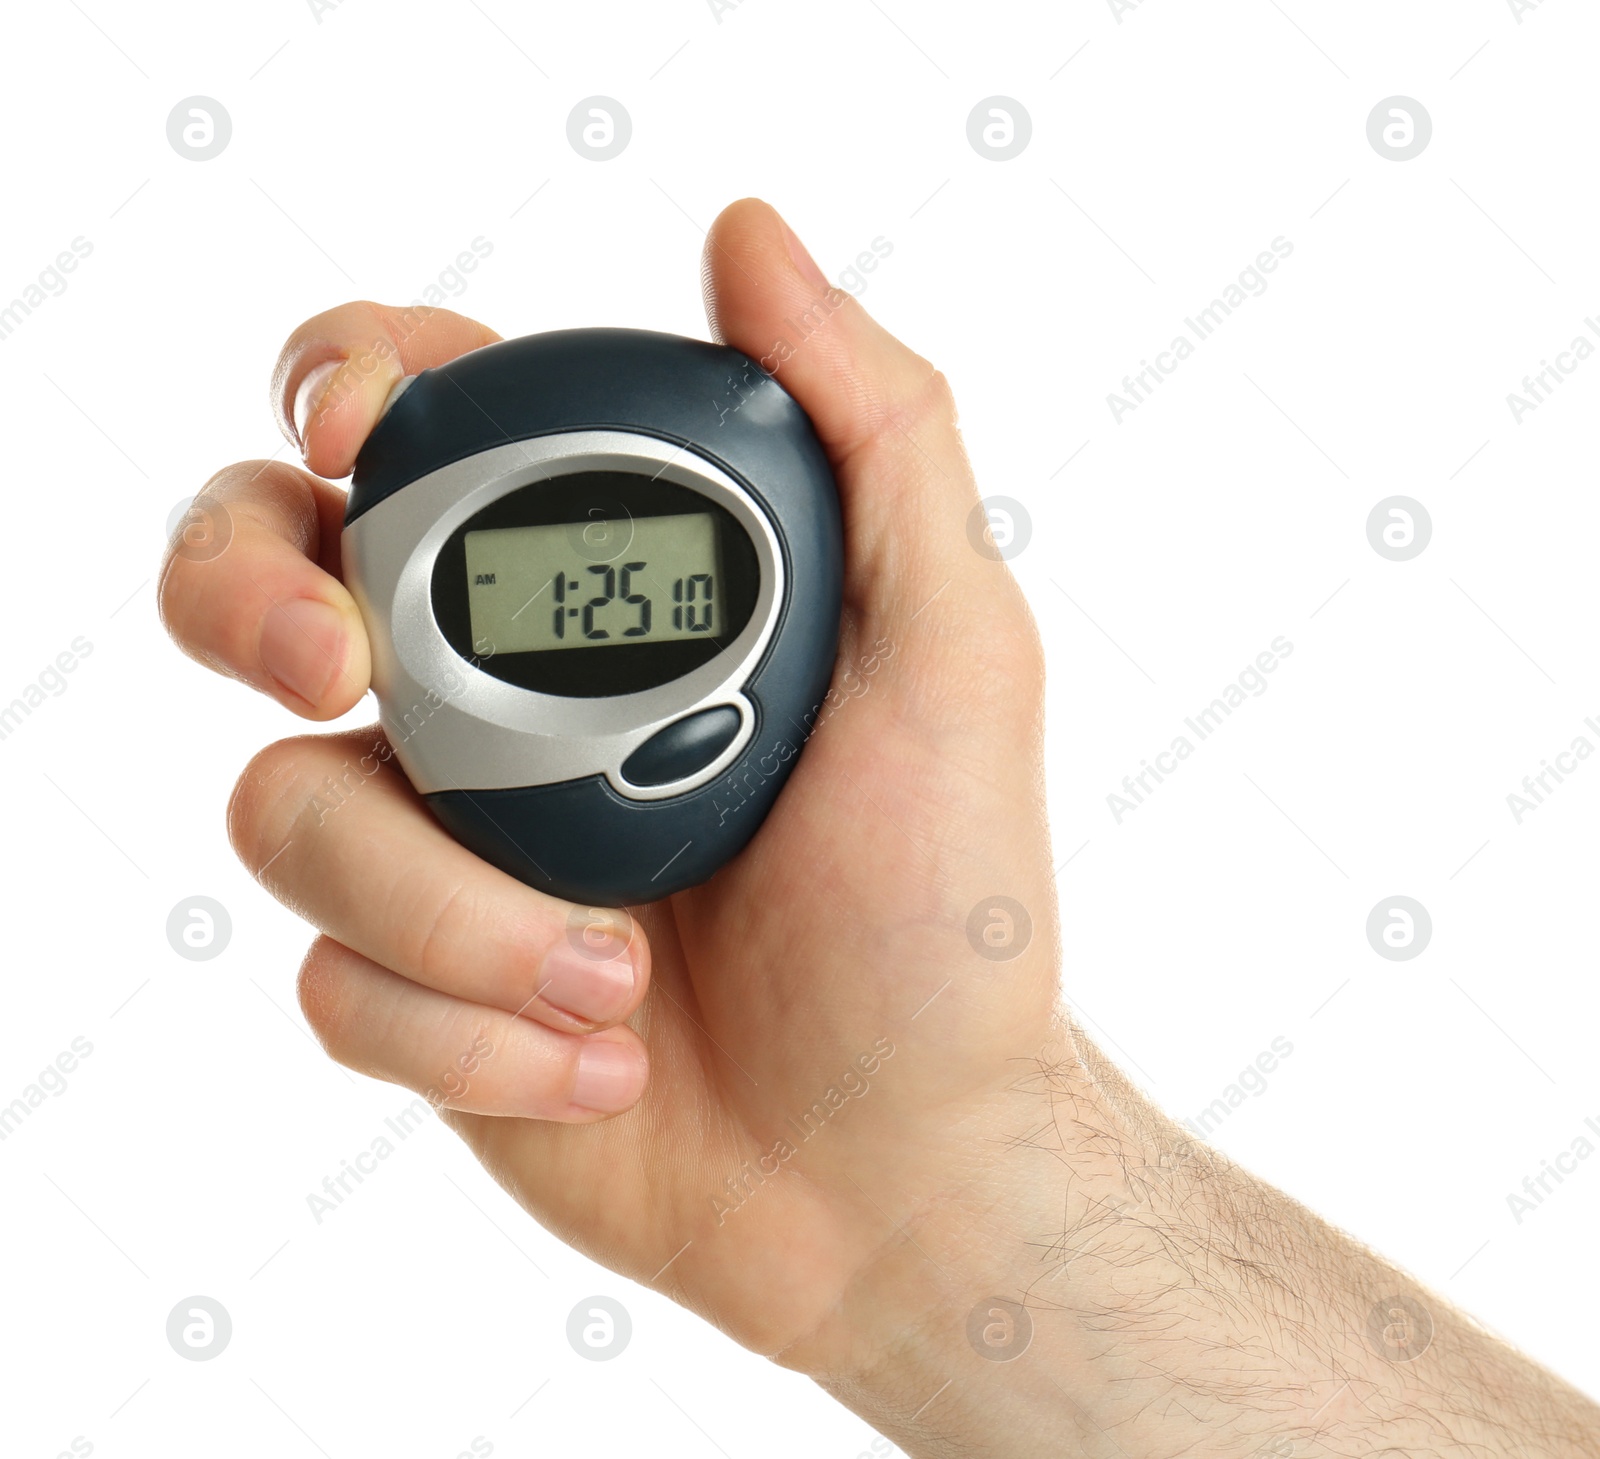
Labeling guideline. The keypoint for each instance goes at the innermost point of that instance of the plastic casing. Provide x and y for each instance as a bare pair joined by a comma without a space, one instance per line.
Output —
580,839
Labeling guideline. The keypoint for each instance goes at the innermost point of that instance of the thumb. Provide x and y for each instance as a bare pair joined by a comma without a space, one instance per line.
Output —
885,416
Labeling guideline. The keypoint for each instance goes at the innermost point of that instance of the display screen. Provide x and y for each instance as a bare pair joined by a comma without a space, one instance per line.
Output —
595,584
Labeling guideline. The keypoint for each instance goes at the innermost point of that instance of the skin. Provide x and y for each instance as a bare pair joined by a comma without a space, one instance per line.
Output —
975,1150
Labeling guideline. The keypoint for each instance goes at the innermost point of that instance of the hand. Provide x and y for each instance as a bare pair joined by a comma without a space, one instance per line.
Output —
819,1021
801,1099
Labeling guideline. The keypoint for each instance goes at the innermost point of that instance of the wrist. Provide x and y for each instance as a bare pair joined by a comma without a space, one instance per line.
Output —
1086,1269
1090,1279
981,1318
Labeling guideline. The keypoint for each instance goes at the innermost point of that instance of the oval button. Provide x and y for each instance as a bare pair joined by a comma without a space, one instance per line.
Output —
683,747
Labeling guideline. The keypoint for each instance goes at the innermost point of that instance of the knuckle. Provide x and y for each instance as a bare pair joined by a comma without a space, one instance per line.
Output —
470,1045
196,552
274,789
1014,647
321,989
936,400
1027,644
174,593
274,495
437,925
919,409
925,396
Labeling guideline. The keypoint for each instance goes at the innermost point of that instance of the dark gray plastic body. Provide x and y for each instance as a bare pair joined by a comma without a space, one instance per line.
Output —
580,839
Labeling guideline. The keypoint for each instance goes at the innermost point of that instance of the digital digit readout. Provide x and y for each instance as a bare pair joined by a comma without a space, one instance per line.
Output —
588,585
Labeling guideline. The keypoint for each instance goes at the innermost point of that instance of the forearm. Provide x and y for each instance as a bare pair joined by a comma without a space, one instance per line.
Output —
1177,1305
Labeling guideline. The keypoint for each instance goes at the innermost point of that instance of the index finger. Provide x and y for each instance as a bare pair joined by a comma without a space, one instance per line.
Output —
336,370
258,597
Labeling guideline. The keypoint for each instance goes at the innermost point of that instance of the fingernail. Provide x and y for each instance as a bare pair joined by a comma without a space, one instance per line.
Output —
591,987
610,1078
309,396
303,646
803,261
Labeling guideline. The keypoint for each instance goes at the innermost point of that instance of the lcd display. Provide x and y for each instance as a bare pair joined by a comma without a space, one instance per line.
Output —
587,585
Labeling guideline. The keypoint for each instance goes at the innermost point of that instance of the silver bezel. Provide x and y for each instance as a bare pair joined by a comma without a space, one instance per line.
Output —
454,727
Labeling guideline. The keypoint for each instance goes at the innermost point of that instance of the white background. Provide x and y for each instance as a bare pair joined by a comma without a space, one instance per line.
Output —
1169,147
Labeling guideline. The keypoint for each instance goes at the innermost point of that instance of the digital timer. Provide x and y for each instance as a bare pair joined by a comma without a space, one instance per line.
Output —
601,572
514,565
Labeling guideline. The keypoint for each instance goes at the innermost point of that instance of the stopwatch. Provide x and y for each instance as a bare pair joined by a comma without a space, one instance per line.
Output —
601,573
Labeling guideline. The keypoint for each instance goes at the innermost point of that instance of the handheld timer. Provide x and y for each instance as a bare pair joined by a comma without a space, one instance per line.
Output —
601,572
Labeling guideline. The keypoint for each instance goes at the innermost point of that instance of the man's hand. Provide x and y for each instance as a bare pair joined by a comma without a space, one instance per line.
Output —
809,1100
821,994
